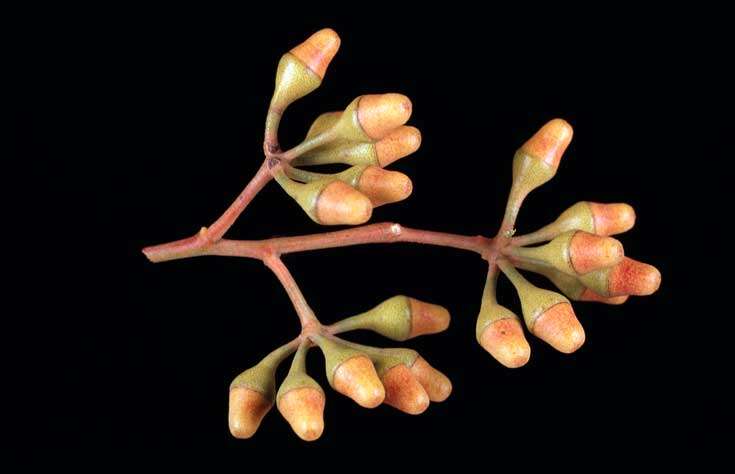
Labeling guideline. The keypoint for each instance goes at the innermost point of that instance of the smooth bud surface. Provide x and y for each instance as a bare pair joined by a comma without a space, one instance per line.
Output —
379,114
356,378
397,144
403,391
588,252
246,411
383,186
629,277
436,384
505,341
559,327
318,50
303,408
550,142
611,219
339,203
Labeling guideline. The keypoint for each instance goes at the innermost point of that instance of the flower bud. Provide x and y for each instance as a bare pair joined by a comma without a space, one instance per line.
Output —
400,142
399,318
352,373
595,218
571,286
372,117
384,187
574,252
498,329
301,70
436,384
328,201
537,160
251,395
548,315
318,51
403,391
499,332
301,400
629,277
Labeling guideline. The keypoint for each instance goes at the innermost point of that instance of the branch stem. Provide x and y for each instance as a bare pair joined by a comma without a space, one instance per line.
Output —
306,315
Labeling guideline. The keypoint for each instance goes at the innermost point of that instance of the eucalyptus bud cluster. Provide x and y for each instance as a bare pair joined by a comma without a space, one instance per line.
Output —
368,135
370,376
579,257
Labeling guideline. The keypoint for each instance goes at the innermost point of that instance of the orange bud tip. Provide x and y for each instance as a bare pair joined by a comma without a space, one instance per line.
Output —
318,50
427,318
590,252
339,203
399,143
631,277
247,409
611,219
303,408
379,114
357,379
403,391
549,143
559,327
383,186
589,295
505,341
436,384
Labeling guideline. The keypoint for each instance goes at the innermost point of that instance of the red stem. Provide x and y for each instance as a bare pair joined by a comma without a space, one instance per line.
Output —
306,315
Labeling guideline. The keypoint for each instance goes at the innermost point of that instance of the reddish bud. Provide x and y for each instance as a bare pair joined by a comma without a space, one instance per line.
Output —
338,203
399,143
427,318
318,50
631,277
504,340
379,114
303,408
247,409
589,252
559,327
357,379
436,384
383,186
611,219
549,143
403,391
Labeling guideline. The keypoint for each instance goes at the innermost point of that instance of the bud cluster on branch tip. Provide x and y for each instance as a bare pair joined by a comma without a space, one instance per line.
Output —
579,258
368,375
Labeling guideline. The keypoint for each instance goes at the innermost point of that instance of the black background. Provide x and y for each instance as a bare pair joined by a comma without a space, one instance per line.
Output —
140,127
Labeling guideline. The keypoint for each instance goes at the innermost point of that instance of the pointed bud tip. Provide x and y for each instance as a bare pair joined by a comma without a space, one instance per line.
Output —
589,295
397,144
427,318
338,203
247,409
357,379
631,277
590,252
379,114
504,340
303,408
403,391
436,384
611,219
559,327
550,142
383,186
318,51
